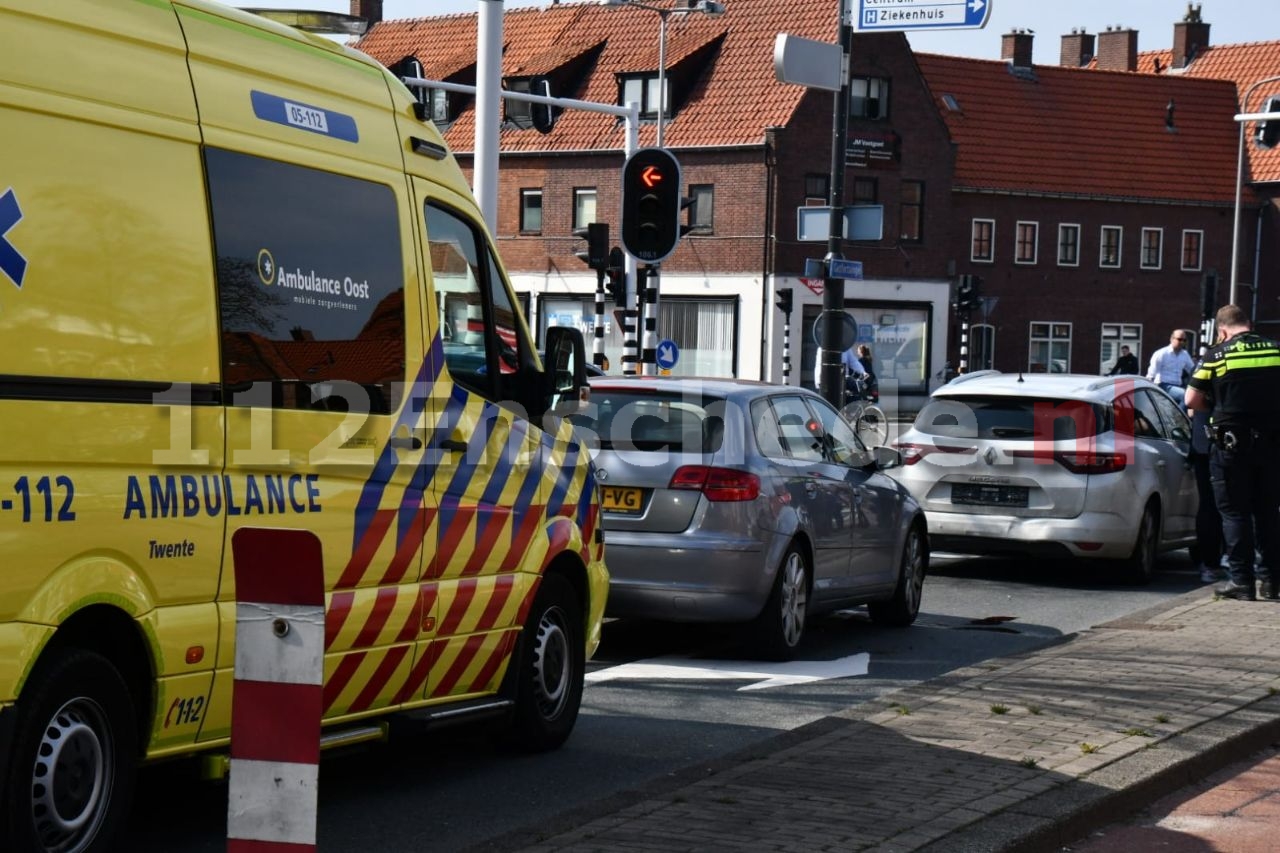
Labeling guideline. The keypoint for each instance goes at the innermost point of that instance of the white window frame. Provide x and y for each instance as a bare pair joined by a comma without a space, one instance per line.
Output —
1182,255
986,333
1142,249
582,217
1102,247
702,217
1120,334
1035,242
1051,339
991,259
1062,227
525,194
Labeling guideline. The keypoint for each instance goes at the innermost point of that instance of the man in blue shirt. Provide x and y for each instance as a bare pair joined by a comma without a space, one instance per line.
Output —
1169,365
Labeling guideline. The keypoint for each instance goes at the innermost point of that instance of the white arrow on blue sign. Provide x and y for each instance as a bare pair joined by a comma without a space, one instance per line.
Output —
883,15
668,354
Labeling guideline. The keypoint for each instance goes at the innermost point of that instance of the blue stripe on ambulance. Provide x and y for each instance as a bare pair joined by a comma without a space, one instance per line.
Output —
564,477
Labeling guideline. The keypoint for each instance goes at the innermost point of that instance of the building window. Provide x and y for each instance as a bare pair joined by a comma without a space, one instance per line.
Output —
1026,242
1068,245
1109,253
1050,350
584,206
982,248
911,213
531,211
643,90
1152,248
518,112
1192,250
816,192
702,213
868,97
1114,336
982,343
865,190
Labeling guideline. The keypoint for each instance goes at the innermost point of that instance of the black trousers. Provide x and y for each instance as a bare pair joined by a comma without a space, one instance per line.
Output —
1246,489
1208,548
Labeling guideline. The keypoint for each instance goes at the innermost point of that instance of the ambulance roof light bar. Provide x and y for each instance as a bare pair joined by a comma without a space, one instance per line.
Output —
322,23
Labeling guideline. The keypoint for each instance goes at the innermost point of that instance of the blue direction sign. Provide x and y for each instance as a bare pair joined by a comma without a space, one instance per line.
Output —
841,268
882,15
668,354
12,264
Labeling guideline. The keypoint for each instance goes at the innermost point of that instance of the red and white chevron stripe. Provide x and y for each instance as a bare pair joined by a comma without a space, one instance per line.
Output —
277,700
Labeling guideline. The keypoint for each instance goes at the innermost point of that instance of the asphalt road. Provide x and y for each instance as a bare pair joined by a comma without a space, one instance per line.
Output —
450,790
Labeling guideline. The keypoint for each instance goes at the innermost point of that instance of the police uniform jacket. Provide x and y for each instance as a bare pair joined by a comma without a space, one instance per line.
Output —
1241,376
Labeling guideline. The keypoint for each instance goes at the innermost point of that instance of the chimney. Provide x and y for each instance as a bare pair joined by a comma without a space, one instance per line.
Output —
370,10
1190,36
1015,47
1118,49
1077,49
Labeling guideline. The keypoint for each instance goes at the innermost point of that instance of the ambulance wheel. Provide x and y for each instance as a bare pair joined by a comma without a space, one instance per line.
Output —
553,663
75,742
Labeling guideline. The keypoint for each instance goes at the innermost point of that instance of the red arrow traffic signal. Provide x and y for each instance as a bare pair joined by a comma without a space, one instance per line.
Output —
651,176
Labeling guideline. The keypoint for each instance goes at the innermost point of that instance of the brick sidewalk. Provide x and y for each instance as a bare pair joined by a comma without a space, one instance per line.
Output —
1015,753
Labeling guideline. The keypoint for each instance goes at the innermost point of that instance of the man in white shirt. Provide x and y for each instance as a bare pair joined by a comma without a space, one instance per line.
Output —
1169,365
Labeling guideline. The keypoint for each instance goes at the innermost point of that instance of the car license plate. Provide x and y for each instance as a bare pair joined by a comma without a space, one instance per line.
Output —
984,495
622,499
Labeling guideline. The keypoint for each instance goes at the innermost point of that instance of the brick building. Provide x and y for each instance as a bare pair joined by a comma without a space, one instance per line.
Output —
1090,201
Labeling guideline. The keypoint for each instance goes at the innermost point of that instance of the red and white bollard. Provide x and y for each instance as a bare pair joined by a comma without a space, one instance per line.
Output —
277,700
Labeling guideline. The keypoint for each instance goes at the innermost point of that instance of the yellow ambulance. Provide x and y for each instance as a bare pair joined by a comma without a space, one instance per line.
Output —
243,284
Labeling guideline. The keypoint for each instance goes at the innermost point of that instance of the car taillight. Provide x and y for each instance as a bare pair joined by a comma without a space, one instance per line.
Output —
718,484
913,453
1091,463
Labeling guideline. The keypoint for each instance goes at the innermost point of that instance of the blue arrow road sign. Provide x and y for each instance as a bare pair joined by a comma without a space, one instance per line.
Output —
12,263
668,354
881,15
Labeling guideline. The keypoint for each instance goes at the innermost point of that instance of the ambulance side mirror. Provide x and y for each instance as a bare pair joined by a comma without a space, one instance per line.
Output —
565,368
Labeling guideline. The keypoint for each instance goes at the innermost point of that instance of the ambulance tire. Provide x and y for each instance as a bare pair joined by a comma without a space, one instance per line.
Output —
552,666
70,783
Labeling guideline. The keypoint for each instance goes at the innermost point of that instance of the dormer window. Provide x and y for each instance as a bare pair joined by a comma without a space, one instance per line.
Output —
517,112
868,97
643,90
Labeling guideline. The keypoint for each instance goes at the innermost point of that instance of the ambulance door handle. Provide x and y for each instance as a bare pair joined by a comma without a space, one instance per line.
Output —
456,445
405,442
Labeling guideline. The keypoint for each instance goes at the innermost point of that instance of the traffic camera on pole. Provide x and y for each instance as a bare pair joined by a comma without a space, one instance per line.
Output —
651,204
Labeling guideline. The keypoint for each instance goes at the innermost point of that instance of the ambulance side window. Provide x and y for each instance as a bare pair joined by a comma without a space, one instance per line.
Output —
483,346
310,286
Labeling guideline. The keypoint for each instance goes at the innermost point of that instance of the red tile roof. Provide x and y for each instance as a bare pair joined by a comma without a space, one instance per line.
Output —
1093,133
1244,65
732,103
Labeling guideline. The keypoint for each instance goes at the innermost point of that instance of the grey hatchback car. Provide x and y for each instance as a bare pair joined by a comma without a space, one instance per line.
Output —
739,501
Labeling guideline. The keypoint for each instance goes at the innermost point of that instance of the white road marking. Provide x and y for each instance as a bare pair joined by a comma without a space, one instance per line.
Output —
764,675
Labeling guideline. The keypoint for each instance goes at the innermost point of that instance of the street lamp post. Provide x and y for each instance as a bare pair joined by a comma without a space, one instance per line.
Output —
711,8
1235,231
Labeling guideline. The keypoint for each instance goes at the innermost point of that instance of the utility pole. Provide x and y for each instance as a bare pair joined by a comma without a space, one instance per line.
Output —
832,386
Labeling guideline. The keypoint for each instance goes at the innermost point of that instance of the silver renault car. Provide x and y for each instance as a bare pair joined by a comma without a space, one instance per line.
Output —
1054,465
738,501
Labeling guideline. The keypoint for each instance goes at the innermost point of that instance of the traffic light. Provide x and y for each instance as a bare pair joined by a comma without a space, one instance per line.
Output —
964,293
596,255
543,116
784,303
651,204
616,283
1208,294
1269,131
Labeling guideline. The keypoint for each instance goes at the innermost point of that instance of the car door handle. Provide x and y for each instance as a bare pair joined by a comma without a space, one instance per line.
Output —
454,444
811,489
403,442
1159,463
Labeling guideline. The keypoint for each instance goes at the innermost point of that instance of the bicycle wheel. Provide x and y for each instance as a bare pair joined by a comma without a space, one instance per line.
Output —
872,426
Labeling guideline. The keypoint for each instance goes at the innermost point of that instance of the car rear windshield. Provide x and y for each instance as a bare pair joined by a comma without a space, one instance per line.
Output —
1013,418
652,420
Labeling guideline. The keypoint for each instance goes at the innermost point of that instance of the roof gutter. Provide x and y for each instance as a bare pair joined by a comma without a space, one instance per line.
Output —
1163,202
579,152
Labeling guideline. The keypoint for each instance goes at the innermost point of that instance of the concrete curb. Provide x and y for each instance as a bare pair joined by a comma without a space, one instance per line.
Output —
1114,792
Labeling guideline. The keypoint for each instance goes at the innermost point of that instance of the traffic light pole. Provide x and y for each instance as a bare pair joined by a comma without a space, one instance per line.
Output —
832,386
964,340
649,356
597,353
786,349
630,346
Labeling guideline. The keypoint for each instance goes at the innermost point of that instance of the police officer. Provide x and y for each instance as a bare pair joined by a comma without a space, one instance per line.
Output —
1239,380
